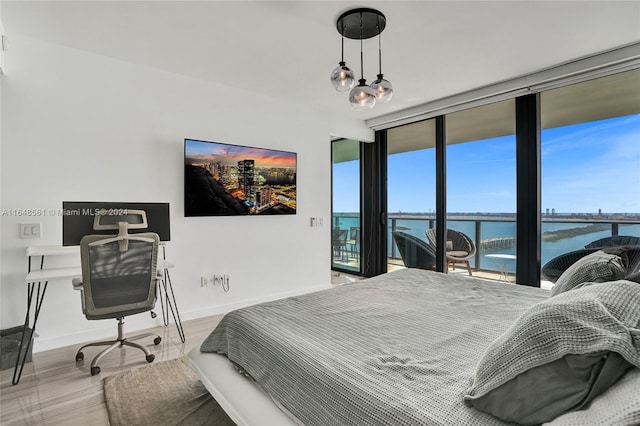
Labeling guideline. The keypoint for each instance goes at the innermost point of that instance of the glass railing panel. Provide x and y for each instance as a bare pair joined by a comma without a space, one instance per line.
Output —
412,226
562,237
632,230
497,238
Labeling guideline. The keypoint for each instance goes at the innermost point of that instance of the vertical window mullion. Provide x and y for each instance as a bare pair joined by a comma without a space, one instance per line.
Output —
528,213
441,194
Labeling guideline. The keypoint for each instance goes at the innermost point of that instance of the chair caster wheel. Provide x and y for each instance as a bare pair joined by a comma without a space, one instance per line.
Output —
79,356
157,340
95,370
150,358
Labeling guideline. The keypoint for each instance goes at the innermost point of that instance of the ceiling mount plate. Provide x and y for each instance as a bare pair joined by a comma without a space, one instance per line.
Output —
361,23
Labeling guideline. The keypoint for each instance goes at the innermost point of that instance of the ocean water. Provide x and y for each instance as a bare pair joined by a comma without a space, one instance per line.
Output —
488,230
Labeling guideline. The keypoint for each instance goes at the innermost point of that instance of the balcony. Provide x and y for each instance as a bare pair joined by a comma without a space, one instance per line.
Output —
496,234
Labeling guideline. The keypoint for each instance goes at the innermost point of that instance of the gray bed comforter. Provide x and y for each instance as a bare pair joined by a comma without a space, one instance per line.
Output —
401,348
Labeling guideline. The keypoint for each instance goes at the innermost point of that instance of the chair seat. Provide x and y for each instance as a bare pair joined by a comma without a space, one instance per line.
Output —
457,253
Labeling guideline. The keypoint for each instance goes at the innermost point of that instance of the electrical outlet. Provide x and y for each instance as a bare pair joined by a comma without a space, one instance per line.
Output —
203,282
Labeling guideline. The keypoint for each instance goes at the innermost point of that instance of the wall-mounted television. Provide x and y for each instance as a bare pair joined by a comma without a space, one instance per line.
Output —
233,180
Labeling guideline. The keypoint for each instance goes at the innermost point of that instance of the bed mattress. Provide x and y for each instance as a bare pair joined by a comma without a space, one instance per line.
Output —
401,348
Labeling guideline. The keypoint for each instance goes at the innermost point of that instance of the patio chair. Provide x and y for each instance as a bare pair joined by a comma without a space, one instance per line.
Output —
339,243
354,241
415,253
613,241
556,266
460,248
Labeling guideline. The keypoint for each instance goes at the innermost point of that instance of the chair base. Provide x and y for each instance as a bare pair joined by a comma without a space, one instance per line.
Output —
119,342
452,263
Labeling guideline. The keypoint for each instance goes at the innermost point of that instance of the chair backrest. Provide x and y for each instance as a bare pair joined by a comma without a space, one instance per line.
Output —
556,266
339,237
415,252
456,240
354,233
117,283
615,240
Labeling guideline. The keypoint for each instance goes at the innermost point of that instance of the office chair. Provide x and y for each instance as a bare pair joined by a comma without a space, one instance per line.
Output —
119,274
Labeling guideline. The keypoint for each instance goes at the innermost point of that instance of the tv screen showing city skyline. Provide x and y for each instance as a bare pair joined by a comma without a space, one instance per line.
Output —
232,180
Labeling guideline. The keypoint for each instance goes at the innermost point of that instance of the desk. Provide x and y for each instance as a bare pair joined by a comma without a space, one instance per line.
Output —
37,281
502,263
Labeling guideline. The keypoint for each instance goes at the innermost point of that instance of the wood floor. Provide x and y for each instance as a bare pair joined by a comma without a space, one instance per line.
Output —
54,390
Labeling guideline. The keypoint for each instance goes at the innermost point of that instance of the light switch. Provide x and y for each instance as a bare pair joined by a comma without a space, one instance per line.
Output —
29,230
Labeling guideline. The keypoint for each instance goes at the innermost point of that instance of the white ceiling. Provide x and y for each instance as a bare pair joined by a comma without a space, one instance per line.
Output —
287,49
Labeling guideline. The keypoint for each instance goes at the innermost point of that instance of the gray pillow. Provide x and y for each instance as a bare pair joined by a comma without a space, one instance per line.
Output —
560,354
595,267
619,405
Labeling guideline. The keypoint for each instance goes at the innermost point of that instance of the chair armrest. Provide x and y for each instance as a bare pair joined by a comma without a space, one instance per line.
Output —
77,283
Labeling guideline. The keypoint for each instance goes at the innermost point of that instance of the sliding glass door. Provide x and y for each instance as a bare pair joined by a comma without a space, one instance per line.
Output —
411,200
346,221
481,189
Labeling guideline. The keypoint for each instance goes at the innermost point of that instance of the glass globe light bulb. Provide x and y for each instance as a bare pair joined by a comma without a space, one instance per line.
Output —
383,89
342,78
362,97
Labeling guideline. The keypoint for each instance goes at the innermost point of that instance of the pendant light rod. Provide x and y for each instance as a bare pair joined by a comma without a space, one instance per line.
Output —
361,54
379,55
379,48
342,38
361,61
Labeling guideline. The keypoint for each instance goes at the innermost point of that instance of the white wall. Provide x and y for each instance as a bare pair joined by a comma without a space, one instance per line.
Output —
82,127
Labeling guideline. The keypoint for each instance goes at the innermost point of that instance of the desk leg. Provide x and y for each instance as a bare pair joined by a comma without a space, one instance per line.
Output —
22,356
168,303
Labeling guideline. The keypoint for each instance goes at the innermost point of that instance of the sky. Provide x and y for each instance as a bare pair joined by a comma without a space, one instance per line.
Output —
585,167
198,152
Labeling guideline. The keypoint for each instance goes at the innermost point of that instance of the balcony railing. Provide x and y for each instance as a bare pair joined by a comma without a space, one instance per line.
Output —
495,234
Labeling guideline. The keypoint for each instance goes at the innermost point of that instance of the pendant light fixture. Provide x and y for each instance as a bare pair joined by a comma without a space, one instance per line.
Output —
362,97
342,77
361,24
382,88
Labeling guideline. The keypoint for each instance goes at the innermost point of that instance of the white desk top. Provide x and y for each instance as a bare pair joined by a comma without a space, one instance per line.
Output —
52,250
53,274
56,250
66,273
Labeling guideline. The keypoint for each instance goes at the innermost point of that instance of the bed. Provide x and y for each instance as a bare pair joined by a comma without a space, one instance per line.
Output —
405,347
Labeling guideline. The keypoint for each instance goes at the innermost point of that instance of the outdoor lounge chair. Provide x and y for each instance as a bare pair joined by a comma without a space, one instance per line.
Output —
556,266
460,248
614,241
415,252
